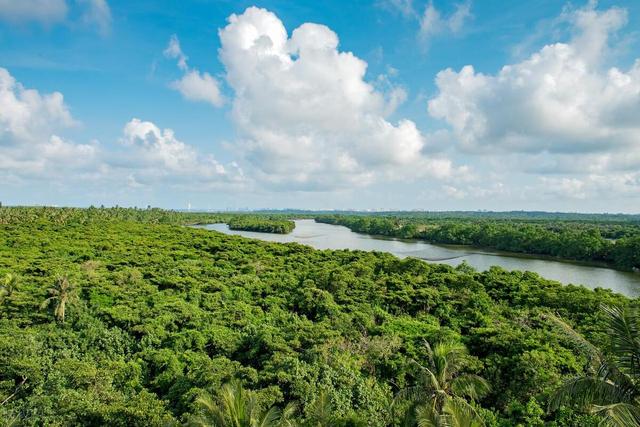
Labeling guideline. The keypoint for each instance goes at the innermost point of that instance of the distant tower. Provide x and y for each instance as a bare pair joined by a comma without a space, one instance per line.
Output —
189,206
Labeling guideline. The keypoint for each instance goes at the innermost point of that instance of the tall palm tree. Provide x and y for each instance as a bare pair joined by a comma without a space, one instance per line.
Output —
9,284
320,411
611,387
62,294
439,396
237,407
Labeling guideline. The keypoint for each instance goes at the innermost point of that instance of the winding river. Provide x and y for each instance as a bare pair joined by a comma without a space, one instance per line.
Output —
327,236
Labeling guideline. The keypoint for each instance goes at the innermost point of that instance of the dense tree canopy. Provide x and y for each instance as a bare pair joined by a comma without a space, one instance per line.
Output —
261,224
617,243
160,317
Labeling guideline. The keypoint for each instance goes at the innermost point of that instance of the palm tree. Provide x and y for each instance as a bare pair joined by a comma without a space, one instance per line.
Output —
9,284
237,407
320,411
63,294
439,396
611,386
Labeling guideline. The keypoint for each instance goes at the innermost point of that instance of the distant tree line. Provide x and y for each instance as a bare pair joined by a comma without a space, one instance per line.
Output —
614,243
261,224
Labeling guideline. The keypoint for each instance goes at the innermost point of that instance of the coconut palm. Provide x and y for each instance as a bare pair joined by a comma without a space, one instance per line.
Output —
62,294
9,284
320,411
237,407
439,397
611,386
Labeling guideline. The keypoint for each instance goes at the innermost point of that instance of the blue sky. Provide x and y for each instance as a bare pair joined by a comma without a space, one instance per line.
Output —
436,122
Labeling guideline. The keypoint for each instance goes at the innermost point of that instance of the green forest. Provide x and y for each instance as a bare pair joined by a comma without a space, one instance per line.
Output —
126,317
261,224
616,243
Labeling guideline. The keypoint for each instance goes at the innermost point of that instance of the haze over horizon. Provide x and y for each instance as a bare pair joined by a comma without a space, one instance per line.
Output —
378,104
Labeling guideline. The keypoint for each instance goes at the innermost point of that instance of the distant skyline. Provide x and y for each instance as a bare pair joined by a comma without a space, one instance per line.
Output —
380,104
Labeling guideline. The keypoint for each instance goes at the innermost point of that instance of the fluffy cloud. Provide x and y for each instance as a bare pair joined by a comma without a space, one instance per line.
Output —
29,146
193,85
27,116
32,150
306,116
196,86
559,100
154,155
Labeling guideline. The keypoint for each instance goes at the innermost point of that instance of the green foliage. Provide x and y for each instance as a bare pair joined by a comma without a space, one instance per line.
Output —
612,392
158,315
261,224
604,242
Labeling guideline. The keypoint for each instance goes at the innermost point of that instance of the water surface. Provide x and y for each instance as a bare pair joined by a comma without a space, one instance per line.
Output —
327,236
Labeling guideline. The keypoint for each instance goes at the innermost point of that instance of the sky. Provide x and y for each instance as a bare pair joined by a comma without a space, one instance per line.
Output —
369,104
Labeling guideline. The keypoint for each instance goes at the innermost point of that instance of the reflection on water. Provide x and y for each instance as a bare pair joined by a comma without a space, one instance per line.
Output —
327,236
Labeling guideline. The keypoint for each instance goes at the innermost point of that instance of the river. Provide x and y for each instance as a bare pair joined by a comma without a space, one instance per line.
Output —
327,236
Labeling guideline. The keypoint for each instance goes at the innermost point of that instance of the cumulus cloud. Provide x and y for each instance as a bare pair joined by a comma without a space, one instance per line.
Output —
194,85
306,116
45,12
29,145
26,115
432,23
559,100
154,155
31,148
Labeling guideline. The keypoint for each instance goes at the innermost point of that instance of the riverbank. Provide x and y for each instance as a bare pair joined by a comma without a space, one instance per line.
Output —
327,236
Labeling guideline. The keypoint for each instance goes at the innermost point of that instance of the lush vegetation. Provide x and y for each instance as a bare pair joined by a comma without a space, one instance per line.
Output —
126,318
261,224
611,388
616,243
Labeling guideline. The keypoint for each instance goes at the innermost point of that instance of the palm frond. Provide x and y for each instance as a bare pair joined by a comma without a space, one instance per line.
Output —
271,418
625,337
287,415
591,351
471,386
460,413
426,416
618,415
321,409
587,391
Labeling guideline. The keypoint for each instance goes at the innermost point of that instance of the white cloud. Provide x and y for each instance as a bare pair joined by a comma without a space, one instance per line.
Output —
193,85
89,13
31,149
29,146
594,186
26,116
45,12
174,51
432,23
405,7
196,86
558,100
98,13
154,155
307,118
